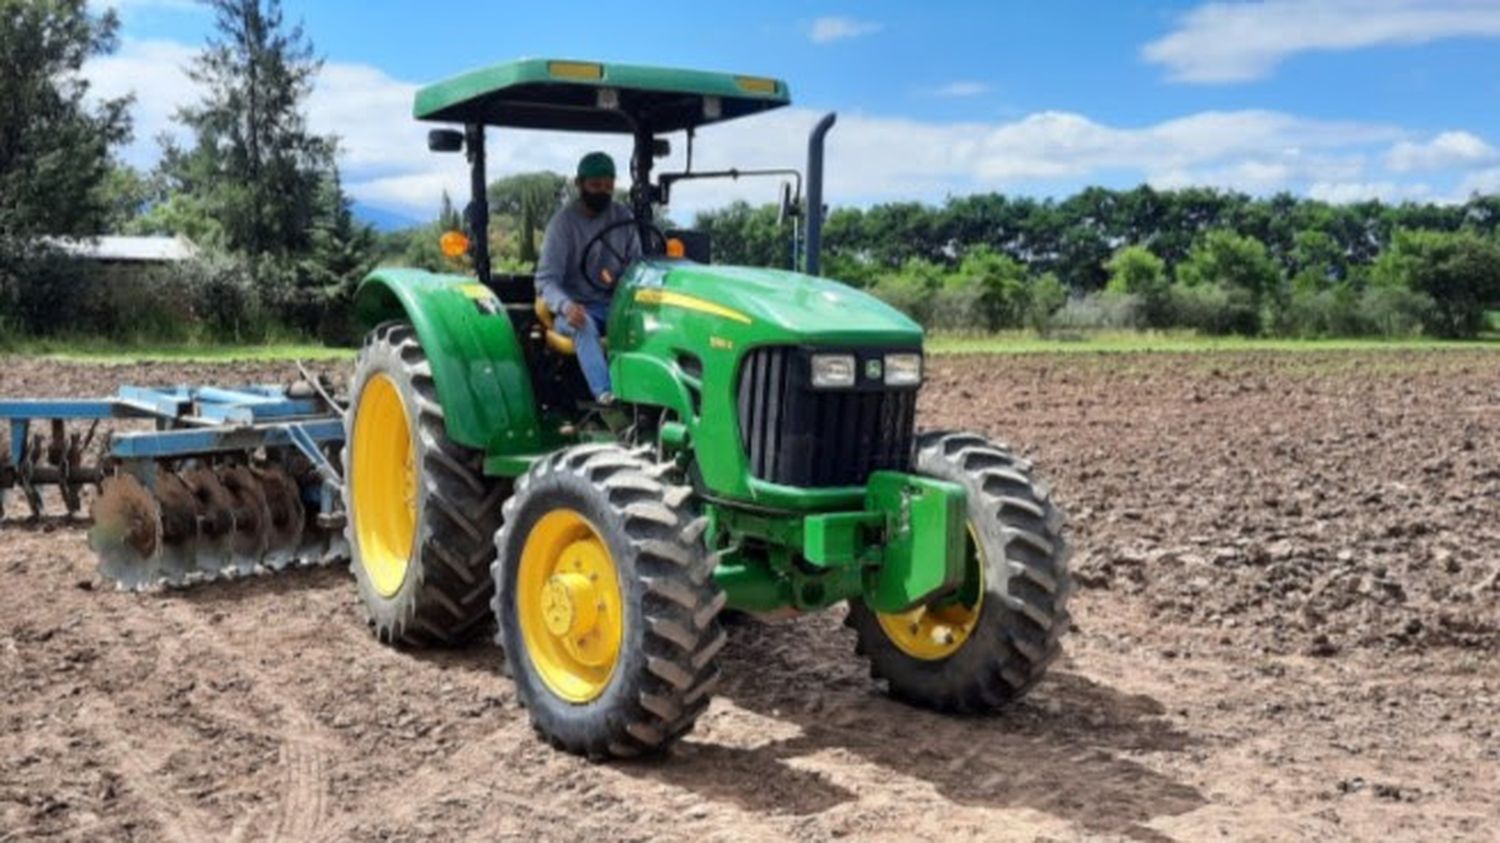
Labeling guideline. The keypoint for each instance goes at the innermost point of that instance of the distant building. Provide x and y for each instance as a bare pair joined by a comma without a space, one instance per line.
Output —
125,285
128,250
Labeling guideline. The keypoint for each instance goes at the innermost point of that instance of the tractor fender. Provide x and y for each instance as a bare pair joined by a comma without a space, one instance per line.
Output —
477,363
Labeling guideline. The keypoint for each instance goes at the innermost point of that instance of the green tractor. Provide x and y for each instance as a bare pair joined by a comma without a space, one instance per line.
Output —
761,455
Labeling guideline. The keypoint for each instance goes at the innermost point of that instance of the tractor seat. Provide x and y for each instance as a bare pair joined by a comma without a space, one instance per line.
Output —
556,340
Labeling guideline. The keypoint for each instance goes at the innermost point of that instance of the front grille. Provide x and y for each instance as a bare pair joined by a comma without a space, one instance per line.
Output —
795,435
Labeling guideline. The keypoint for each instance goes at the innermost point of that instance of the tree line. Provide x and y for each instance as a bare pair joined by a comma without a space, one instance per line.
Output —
1212,260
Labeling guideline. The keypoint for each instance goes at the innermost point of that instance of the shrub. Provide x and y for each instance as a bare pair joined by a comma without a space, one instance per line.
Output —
1393,311
1048,296
911,289
132,303
1322,312
1003,297
956,306
1137,271
1098,311
1248,279
907,294
43,289
1215,309
228,305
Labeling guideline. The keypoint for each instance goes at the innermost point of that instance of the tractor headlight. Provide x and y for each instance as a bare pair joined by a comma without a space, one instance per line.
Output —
832,371
903,369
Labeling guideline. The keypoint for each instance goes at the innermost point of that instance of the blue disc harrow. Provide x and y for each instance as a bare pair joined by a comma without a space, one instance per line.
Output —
219,483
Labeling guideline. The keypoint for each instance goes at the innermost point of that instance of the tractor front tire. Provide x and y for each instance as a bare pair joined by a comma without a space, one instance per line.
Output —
606,603
420,511
990,643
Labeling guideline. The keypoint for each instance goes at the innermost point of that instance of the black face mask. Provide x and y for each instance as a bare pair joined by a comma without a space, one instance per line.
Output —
596,202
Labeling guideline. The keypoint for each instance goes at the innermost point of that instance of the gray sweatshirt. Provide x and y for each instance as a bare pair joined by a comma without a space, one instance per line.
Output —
558,279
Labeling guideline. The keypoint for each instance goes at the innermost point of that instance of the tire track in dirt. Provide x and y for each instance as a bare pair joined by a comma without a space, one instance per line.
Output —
305,779
300,806
474,766
142,767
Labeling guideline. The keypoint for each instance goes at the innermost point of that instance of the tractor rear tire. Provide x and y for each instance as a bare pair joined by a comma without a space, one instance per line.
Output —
606,603
990,644
420,510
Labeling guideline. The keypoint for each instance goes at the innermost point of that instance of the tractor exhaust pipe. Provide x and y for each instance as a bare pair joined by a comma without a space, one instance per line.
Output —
813,259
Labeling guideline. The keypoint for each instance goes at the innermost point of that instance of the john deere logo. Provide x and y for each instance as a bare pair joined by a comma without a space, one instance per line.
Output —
873,370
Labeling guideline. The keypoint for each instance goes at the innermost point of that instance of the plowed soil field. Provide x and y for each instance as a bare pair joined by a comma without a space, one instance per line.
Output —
1287,622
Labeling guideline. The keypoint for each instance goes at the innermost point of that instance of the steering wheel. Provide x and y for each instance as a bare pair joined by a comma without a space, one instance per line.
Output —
602,239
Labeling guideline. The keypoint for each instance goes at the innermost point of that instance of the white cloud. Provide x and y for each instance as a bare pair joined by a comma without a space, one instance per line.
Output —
826,30
1482,181
1449,149
1344,193
1237,42
1267,147
154,71
874,158
961,89
871,158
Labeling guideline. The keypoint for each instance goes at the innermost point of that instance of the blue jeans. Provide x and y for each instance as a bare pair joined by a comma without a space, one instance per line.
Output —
587,342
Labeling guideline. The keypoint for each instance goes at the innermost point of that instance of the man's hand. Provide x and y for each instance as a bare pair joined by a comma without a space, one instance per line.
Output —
576,314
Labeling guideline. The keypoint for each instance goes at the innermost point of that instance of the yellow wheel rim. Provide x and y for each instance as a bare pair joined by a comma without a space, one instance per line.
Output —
569,606
384,482
933,633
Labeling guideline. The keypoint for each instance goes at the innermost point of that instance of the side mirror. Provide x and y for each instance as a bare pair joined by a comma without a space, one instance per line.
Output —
445,140
789,204
660,147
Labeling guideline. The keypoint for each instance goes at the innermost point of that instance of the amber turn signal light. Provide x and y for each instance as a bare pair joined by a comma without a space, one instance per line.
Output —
455,244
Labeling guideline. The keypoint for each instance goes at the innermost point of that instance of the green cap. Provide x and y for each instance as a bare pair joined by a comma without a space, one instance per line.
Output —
596,165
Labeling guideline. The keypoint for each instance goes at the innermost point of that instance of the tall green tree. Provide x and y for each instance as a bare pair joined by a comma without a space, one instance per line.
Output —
54,144
343,251
527,201
254,165
1234,261
748,235
1137,271
1003,296
449,218
126,195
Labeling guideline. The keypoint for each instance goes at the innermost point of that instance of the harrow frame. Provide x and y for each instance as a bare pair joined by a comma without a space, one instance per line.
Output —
190,421
199,426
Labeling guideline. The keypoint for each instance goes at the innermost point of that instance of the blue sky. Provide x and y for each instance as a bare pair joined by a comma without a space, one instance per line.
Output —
1339,99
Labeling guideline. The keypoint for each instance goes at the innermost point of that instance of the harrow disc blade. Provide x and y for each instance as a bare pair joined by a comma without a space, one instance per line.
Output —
252,519
127,533
179,521
288,517
215,506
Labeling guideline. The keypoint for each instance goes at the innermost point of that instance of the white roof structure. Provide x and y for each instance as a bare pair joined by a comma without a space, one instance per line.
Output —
129,249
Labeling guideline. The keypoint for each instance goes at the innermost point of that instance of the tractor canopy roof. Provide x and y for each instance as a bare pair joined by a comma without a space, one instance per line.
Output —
595,96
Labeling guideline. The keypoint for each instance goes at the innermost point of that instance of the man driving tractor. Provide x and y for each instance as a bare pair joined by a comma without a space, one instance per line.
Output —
575,277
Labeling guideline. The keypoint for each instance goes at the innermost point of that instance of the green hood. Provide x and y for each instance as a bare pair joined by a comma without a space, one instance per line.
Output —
796,306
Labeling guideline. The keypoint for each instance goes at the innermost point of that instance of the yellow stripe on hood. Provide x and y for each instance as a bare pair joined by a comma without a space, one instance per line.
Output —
669,298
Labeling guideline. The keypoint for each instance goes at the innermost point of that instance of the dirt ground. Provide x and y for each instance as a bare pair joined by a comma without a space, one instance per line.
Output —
1286,628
